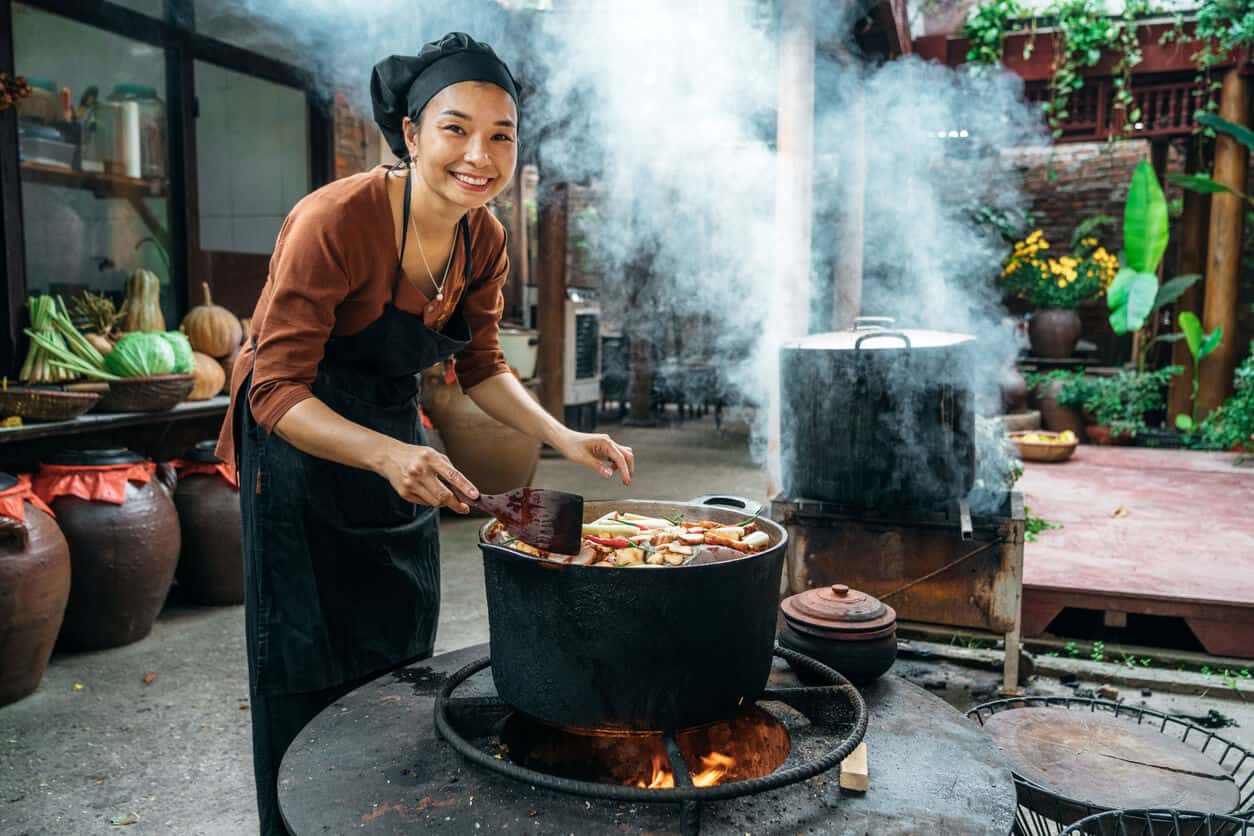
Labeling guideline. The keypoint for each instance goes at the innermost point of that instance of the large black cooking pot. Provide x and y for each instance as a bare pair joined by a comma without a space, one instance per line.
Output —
877,417
640,648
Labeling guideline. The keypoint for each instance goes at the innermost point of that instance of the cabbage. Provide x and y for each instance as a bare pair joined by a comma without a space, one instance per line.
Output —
141,354
184,363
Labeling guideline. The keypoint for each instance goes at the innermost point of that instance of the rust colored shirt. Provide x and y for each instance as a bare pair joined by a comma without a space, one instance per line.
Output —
333,269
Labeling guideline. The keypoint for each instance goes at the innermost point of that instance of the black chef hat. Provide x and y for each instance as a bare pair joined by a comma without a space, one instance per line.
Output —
402,85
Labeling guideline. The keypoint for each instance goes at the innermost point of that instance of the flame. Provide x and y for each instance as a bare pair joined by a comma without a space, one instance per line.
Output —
716,766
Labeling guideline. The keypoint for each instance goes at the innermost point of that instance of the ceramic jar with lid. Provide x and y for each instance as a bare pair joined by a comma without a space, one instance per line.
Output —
123,554
211,563
34,586
845,629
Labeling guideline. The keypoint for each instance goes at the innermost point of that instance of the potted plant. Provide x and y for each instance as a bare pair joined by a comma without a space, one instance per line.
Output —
1119,404
1200,345
1060,396
1055,287
1231,425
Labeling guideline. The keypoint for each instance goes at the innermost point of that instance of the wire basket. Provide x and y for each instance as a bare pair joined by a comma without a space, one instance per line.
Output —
34,404
147,394
1162,823
1043,812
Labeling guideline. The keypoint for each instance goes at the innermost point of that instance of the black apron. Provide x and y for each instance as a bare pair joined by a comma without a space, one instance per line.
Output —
343,574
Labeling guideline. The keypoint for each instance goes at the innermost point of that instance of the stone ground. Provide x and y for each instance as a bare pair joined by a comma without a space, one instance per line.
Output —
96,745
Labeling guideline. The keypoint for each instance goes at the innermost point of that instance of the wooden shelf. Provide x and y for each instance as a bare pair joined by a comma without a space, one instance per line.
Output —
93,422
100,183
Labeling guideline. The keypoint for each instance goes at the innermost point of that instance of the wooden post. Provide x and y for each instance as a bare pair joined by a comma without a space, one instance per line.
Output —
851,181
794,199
551,308
1223,258
1190,258
519,264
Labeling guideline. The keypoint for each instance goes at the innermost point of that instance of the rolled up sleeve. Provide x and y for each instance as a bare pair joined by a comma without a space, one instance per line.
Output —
307,282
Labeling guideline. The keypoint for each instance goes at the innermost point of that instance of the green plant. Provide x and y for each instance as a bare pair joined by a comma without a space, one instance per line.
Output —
1122,401
1098,653
1203,182
1076,389
1071,649
1232,423
986,30
1134,294
1200,345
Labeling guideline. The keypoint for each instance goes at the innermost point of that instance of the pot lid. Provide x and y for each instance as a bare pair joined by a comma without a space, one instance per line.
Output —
838,608
876,333
7,481
94,458
202,451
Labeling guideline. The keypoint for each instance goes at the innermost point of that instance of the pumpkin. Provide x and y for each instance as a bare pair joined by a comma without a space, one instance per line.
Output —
228,366
209,377
212,329
143,302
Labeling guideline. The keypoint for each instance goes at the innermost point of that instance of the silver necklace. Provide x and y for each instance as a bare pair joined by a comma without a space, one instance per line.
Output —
439,286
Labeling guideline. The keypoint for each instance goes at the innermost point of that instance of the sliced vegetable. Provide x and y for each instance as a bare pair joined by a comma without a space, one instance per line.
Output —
611,542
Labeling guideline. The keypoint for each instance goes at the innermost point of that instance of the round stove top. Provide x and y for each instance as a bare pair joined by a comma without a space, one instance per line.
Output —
374,763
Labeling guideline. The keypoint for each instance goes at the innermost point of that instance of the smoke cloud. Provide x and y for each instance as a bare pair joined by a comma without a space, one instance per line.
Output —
668,109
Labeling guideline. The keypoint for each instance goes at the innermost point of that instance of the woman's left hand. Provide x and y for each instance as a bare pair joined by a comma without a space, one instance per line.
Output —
599,452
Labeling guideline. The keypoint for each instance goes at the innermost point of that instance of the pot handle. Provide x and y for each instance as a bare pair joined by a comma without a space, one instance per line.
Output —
857,345
739,503
860,322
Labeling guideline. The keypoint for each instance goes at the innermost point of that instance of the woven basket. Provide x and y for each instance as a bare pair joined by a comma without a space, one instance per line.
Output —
45,404
1033,451
147,394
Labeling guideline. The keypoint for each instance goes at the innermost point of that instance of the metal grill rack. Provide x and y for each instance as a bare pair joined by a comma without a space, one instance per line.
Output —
1161,823
1043,812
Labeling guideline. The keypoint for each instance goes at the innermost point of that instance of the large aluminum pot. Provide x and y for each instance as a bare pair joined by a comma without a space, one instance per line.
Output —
650,648
877,417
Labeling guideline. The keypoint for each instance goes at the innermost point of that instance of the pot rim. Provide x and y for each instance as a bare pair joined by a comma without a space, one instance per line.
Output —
778,532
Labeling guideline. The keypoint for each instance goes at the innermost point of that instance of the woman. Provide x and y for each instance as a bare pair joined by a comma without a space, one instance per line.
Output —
374,278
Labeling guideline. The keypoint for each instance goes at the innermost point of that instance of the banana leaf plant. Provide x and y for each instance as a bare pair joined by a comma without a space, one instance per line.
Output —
1200,344
1134,296
1203,183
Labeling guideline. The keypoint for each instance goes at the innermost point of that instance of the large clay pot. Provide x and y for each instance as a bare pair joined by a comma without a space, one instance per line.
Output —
1054,332
494,457
123,556
1014,390
1054,416
211,561
34,586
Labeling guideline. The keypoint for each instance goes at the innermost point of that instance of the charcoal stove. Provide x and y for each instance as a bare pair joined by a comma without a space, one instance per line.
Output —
431,747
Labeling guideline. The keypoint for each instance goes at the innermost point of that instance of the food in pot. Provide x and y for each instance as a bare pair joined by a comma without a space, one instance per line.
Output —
635,541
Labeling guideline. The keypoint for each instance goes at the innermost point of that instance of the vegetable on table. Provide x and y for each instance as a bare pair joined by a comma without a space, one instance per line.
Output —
212,329
143,302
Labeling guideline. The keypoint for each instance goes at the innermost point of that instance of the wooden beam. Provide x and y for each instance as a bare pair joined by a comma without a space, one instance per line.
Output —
519,264
13,257
794,199
1223,259
1190,258
551,308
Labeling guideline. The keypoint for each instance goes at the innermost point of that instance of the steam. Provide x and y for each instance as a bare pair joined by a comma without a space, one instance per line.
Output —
669,107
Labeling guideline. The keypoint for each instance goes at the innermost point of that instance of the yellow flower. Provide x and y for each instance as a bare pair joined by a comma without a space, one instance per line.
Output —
1062,282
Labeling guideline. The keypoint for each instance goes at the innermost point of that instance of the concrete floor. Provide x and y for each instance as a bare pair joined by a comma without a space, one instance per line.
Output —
95,742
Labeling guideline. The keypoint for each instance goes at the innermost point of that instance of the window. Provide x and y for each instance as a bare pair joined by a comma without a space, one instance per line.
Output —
93,151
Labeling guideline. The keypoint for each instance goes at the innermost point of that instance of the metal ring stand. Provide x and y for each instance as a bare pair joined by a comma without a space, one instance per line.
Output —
1161,823
822,704
1043,812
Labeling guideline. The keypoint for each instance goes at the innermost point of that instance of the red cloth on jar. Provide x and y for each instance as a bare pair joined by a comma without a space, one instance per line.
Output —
13,501
94,483
223,470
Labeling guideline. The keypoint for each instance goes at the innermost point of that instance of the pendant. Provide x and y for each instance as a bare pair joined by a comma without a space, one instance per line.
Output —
439,297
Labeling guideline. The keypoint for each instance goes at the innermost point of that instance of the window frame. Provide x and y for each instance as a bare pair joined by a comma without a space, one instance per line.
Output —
175,34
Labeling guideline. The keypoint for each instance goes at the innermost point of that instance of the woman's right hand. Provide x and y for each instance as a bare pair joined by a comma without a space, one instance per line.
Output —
419,474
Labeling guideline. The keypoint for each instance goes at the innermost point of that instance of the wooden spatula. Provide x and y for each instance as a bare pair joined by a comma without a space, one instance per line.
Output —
549,520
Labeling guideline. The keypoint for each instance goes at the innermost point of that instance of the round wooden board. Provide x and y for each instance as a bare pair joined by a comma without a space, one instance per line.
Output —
1109,761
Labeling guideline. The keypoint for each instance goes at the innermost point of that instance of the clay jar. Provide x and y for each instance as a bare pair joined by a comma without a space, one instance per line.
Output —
34,586
494,457
211,562
1054,333
843,628
123,556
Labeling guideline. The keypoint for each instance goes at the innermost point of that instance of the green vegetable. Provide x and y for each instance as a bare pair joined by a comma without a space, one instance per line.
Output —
141,354
184,363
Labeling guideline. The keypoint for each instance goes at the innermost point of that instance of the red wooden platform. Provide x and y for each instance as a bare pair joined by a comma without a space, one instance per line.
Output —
1158,532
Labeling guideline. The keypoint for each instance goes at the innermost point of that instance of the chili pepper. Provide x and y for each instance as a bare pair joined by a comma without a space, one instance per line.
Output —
611,542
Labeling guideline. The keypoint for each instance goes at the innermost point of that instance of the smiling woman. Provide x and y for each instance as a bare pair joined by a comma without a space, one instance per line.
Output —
374,278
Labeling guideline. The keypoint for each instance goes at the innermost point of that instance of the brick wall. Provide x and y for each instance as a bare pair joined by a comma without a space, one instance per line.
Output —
352,133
